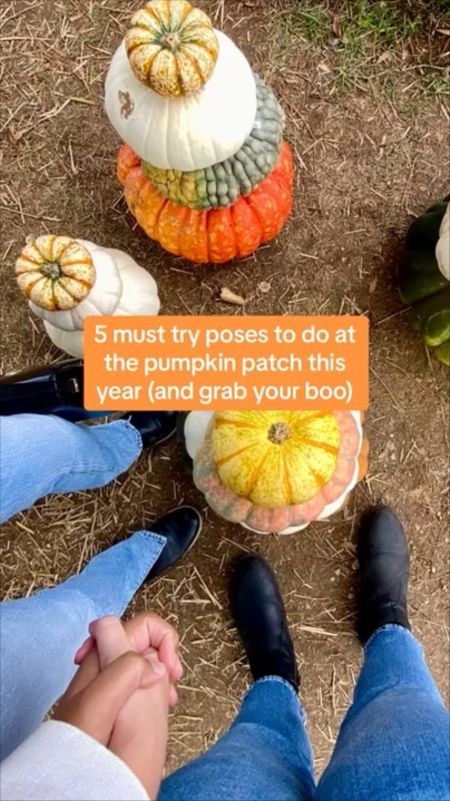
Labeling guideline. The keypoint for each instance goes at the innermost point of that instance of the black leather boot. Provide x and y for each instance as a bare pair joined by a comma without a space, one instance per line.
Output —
154,427
50,389
58,389
182,528
258,611
383,556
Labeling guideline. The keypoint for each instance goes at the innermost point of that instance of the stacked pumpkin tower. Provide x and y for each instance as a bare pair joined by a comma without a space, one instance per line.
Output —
204,166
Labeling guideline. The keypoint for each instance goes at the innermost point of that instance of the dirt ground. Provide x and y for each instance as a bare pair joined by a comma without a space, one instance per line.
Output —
369,131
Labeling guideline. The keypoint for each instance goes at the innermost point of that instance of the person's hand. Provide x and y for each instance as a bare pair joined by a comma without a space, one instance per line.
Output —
133,726
93,700
146,631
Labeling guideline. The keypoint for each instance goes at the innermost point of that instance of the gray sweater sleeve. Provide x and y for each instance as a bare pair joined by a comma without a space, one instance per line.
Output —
61,763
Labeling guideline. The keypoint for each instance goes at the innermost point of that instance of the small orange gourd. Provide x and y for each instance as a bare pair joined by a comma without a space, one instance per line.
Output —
217,235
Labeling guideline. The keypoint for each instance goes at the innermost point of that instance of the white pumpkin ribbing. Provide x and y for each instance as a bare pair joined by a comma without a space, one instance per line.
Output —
184,133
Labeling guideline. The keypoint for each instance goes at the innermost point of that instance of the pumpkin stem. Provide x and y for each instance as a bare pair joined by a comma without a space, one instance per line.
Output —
171,41
278,433
51,269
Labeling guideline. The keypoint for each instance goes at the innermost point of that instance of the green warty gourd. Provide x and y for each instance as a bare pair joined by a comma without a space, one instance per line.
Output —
222,184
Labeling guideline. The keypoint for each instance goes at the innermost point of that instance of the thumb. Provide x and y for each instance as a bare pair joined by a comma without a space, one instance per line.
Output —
111,639
95,709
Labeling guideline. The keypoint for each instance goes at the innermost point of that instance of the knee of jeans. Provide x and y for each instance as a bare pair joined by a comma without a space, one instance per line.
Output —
402,718
396,747
240,763
265,746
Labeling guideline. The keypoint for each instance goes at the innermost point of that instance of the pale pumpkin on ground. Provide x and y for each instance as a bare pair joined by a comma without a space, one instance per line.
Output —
276,471
424,279
65,280
443,245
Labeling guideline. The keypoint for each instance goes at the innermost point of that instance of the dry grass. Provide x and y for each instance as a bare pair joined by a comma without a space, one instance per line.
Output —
366,161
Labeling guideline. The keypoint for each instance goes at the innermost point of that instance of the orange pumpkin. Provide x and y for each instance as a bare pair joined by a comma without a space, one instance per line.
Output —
218,235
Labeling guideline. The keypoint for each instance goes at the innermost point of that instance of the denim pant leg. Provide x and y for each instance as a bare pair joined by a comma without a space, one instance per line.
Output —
42,454
394,742
40,635
265,756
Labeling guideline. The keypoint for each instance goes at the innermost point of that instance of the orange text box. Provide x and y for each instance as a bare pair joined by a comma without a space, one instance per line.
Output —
226,363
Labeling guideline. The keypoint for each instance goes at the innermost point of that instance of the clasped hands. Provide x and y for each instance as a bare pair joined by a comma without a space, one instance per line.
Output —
123,690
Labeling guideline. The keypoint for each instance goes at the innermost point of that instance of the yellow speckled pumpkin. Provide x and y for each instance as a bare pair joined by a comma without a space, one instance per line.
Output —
55,272
172,47
217,235
278,471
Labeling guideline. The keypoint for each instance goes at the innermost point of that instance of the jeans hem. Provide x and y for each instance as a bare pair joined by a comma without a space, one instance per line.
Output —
277,679
96,467
133,430
151,537
387,627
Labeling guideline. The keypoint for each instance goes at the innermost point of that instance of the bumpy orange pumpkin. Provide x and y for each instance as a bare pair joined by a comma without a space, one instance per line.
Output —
213,236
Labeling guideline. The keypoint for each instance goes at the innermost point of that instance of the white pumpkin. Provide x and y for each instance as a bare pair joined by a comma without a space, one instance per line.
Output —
196,426
189,132
67,280
443,245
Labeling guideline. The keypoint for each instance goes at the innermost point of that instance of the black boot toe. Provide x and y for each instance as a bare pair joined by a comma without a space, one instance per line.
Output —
383,556
181,527
154,427
259,614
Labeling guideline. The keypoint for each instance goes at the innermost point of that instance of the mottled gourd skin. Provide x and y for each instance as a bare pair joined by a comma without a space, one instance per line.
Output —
222,184
422,284
172,47
55,272
275,458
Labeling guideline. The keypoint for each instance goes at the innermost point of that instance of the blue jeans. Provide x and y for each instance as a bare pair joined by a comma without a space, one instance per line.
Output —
42,454
392,746
40,635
